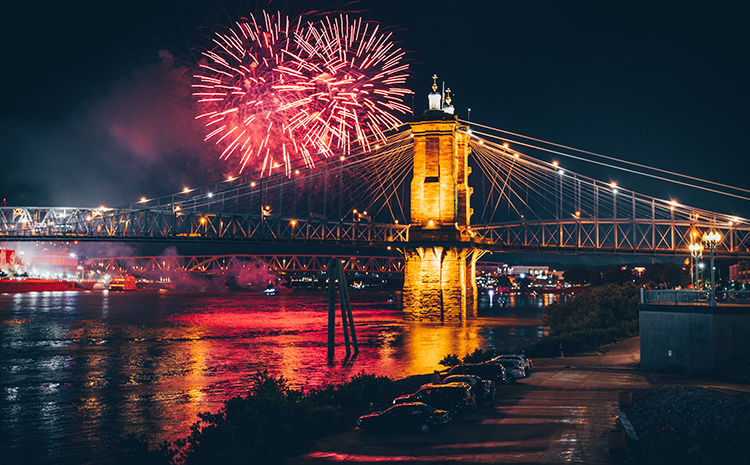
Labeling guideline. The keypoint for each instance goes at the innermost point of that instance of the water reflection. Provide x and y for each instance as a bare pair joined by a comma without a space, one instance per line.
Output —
79,369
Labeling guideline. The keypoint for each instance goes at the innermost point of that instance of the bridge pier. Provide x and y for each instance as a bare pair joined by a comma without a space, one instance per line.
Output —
440,284
440,259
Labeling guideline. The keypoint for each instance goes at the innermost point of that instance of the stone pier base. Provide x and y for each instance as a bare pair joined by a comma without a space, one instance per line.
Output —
440,283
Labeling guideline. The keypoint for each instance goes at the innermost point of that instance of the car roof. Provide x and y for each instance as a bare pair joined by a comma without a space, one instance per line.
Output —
441,385
466,375
418,404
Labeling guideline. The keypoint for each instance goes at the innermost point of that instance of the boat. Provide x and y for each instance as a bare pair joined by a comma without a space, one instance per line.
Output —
35,285
270,291
122,283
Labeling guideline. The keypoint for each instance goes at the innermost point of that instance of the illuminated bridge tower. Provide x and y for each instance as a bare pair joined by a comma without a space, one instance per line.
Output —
440,261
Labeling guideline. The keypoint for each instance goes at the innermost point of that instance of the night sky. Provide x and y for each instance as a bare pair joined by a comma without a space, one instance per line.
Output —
97,106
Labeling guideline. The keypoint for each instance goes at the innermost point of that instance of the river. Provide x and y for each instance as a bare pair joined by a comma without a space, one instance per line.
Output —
79,370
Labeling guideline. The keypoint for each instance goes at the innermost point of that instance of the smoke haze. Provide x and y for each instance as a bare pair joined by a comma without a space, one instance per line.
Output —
138,139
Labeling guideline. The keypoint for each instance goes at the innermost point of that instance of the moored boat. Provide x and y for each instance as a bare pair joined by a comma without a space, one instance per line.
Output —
122,283
35,285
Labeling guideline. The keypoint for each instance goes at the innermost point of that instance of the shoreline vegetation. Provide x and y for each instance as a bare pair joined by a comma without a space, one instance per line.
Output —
601,315
271,423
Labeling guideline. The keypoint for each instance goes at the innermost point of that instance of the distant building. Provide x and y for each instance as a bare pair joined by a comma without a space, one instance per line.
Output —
740,272
491,268
7,259
46,259
518,270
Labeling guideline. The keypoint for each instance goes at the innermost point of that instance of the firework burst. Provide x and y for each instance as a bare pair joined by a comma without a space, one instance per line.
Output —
279,92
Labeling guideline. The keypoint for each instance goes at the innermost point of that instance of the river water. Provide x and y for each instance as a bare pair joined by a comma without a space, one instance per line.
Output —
79,370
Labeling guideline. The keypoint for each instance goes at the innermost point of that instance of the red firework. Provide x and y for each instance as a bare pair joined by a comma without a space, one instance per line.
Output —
279,93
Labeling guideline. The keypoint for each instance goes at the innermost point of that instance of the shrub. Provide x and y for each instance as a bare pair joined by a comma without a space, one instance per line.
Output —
604,315
450,360
271,423
478,356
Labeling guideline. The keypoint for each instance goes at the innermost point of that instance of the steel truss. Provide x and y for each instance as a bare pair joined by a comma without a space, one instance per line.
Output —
622,236
217,264
68,224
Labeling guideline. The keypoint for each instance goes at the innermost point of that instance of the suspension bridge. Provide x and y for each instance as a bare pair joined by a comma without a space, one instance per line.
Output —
411,192
520,203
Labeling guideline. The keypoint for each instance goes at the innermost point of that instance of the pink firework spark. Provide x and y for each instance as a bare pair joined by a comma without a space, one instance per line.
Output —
279,92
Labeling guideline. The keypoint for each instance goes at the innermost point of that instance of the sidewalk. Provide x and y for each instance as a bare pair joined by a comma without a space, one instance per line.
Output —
620,355
626,355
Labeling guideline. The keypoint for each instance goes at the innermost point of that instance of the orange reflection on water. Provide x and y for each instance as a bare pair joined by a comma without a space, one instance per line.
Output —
428,343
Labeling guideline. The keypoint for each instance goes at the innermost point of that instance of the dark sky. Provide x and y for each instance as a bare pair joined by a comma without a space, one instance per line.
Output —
96,108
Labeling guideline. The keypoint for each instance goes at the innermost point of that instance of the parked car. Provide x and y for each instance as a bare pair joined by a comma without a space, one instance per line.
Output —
491,371
410,416
512,366
483,389
454,397
528,364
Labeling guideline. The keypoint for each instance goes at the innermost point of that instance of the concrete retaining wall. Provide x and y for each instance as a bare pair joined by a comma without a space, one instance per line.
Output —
693,338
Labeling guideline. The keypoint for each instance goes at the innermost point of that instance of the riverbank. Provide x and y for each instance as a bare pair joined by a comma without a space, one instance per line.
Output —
561,413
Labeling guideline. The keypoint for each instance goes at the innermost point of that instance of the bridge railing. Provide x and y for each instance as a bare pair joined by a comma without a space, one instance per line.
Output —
687,297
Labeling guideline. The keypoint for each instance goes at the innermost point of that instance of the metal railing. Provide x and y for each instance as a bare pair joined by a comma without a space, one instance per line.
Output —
686,297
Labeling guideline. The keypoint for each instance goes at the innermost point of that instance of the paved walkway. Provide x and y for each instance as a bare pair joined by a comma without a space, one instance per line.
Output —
560,414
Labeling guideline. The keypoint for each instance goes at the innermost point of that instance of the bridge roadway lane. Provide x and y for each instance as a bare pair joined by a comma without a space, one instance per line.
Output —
560,414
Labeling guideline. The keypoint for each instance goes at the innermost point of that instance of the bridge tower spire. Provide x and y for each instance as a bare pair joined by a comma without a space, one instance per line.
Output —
440,260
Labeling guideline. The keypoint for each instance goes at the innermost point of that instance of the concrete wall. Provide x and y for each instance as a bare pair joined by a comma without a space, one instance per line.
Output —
732,335
692,338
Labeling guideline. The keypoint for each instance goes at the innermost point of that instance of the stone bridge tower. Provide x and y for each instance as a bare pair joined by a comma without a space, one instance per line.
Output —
440,260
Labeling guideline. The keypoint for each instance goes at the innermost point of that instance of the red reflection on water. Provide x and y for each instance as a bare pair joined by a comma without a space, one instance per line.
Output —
149,362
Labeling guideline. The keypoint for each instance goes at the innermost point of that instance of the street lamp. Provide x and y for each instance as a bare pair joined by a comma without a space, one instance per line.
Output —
711,240
696,252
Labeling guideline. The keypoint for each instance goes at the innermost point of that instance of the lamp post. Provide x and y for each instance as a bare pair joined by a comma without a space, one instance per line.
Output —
696,252
711,240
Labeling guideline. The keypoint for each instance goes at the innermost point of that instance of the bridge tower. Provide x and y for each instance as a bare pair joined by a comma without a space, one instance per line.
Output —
440,260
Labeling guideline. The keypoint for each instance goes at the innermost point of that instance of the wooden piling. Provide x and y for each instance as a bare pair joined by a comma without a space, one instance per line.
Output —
331,306
342,304
345,301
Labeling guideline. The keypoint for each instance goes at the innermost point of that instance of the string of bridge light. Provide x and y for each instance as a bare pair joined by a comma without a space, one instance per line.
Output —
393,165
707,189
493,164
514,159
612,166
231,182
673,173
552,168
396,175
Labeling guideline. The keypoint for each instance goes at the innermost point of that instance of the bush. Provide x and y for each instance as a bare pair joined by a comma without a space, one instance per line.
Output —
604,315
271,423
478,356
450,360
